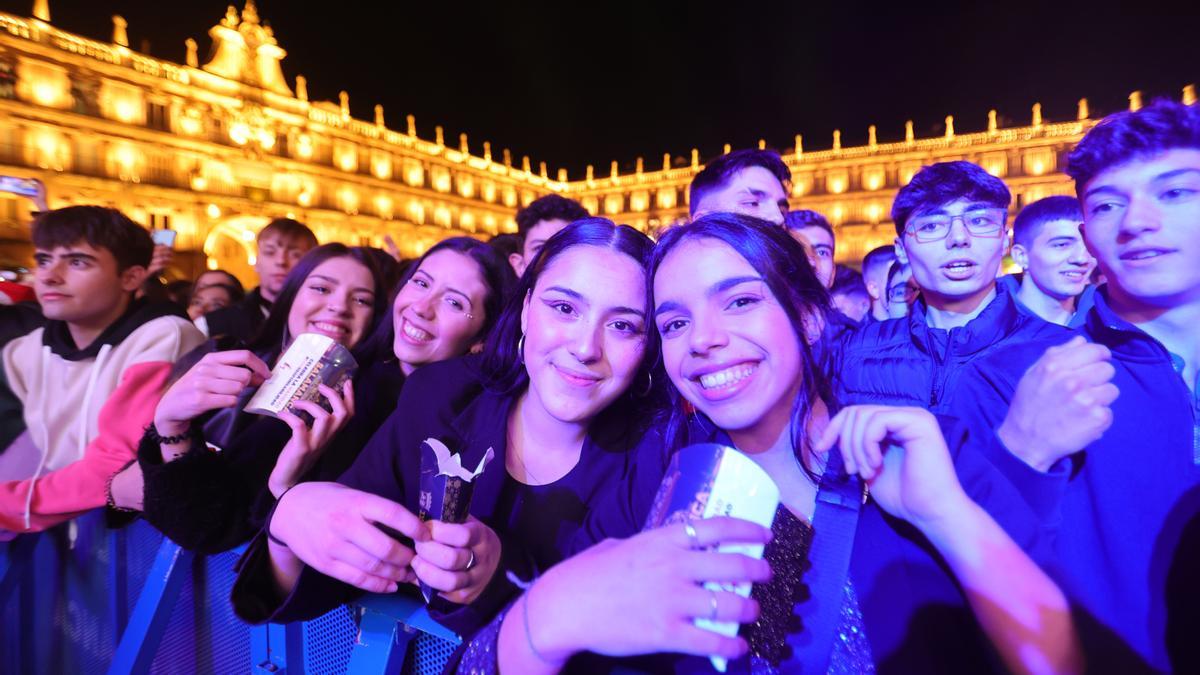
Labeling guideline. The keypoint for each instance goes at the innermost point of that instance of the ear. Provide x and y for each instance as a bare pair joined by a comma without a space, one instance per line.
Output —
901,254
517,263
133,277
1020,256
476,348
872,290
525,311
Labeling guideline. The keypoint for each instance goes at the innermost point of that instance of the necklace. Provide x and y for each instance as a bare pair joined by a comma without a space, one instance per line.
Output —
519,455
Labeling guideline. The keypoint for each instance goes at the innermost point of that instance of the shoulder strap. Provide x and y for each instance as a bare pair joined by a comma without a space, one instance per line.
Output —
839,501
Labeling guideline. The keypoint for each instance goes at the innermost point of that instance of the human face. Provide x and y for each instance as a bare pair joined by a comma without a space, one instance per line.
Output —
335,300
1056,260
535,239
753,191
856,306
728,345
957,272
439,311
80,284
1142,222
585,332
276,257
822,247
207,299
901,293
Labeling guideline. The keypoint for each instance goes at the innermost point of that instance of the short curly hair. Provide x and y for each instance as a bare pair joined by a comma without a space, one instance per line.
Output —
1163,125
939,184
549,207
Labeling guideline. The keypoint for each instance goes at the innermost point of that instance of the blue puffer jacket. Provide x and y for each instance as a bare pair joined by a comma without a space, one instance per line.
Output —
906,362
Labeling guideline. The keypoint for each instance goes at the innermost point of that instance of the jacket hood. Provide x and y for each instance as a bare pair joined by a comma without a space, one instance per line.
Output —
58,337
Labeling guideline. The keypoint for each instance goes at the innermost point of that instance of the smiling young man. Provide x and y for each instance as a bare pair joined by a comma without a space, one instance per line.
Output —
1125,512
280,245
1049,247
750,182
951,230
77,394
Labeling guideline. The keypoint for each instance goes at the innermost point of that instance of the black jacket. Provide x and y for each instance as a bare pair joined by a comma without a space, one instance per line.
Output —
212,501
242,320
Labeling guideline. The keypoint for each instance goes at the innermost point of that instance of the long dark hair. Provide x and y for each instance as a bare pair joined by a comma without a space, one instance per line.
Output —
781,261
498,277
273,335
503,368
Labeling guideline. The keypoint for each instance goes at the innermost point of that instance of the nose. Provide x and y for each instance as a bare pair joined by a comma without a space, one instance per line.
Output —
338,303
424,306
706,335
1080,255
50,273
586,345
958,236
1141,215
771,212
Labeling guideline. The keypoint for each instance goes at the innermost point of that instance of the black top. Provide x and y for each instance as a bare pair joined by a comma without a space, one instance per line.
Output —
242,320
212,501
536,524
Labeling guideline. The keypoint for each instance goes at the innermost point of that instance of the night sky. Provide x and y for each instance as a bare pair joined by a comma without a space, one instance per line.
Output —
576,83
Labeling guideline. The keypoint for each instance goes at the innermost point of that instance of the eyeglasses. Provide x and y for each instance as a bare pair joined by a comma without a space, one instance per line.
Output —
980,223
904,292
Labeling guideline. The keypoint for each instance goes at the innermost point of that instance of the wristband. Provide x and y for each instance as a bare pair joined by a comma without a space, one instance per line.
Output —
152,432
108,495
271,517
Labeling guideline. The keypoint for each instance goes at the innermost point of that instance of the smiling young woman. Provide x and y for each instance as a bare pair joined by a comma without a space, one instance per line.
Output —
560,394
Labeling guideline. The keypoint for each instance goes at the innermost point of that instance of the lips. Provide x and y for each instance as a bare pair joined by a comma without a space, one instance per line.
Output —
724,381
960,269
575,377
1147,253
414,334
1074,275
51,297
334,329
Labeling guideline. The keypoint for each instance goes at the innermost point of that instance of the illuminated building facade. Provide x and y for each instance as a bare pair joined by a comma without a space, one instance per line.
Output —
214,150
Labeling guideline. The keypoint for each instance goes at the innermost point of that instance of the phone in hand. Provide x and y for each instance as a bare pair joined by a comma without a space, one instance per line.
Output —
164,237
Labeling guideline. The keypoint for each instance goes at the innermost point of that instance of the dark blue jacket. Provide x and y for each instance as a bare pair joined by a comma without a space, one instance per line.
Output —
1124,513
906,362
1083,303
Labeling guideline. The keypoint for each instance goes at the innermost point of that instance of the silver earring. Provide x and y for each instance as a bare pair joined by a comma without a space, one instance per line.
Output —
649,384
521,348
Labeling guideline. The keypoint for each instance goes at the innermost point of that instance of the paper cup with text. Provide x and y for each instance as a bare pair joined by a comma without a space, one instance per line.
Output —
707,480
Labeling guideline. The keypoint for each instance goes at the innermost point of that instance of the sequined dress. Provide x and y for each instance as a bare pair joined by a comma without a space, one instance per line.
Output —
788,556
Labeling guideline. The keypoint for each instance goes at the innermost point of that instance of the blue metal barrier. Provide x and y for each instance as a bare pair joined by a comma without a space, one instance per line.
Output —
84,599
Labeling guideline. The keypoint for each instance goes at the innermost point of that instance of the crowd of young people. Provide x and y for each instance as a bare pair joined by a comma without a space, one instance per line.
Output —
977,472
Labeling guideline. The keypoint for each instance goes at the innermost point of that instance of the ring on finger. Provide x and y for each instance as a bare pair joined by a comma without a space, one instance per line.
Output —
693,537
712,599
471,562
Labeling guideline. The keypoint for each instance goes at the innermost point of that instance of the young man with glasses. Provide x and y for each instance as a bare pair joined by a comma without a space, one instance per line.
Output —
951,230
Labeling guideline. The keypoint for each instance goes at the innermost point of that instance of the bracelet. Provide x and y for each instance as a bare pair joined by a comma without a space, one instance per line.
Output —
152,432
528,632
271,516
108,496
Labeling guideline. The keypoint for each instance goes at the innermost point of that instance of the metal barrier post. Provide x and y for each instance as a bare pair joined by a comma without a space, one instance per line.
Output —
140,640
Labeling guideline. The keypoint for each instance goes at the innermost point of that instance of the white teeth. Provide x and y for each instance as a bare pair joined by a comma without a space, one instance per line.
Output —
959,265
1145,254
416,333
328,327
729,376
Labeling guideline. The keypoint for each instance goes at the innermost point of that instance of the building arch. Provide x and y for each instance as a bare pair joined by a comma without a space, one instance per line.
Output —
230,246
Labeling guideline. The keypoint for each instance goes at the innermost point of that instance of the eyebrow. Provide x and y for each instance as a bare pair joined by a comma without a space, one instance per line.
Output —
334,281
70,255
449,288
716,289
1175,174
576,295
941,210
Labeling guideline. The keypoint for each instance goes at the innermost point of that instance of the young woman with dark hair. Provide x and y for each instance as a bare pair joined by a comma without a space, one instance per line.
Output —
212,501
557,396
732,298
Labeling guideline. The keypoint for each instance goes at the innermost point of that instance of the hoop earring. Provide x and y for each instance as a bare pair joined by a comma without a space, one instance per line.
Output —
649,385
521,349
